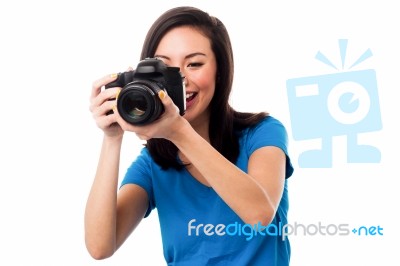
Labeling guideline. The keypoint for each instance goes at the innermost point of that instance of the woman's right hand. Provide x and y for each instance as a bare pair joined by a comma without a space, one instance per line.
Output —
102,103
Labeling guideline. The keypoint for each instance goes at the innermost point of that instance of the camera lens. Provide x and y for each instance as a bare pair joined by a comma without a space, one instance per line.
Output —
138,102
135,105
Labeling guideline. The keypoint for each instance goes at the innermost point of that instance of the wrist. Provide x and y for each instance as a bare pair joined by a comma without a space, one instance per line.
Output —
113,140
182,131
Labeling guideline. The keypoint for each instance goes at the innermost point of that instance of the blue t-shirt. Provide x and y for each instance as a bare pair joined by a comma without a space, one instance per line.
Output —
197,226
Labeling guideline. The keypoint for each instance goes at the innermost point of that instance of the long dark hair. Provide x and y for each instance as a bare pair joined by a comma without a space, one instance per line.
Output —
225,122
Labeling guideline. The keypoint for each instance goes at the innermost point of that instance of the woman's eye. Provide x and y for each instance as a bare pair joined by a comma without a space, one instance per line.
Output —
195,64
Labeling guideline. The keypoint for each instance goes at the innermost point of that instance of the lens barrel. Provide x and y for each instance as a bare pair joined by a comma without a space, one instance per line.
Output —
138,102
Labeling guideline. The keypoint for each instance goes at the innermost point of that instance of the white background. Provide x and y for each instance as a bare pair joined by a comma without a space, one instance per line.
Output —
52,51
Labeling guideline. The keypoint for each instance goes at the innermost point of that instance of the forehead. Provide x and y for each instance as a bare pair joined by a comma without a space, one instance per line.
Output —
184,39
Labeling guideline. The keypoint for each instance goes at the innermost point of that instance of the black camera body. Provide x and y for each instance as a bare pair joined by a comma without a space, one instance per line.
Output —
138,102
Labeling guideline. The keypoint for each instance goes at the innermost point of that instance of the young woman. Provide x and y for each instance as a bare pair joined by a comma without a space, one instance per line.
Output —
216,176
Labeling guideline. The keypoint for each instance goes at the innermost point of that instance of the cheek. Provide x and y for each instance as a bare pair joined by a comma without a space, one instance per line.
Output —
205,83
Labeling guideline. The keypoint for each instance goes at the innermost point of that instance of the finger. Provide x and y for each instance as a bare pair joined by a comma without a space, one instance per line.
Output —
98,84
105,96
105,121
103,109
167,101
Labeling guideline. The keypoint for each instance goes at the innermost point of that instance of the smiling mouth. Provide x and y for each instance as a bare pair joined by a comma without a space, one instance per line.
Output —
190,96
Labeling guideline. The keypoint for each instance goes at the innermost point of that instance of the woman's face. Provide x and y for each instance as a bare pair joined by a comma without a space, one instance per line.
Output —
186,48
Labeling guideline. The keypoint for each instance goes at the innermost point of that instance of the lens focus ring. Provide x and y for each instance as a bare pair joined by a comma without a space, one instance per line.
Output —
138,102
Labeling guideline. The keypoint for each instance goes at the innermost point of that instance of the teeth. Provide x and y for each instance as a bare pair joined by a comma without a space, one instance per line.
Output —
189,95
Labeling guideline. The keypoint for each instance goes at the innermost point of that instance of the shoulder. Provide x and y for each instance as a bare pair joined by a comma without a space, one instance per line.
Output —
144,155
143,162
267,132
268,127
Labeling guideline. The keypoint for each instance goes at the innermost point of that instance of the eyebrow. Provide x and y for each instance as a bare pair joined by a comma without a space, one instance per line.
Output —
186,57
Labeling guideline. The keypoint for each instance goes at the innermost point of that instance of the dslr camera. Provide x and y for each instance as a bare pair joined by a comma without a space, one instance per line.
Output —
138,102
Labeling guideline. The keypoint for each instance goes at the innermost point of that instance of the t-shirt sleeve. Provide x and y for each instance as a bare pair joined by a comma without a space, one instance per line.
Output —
270,132
139,173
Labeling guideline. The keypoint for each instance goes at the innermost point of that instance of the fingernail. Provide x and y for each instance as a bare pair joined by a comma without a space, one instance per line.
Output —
117,94
161,95
114,75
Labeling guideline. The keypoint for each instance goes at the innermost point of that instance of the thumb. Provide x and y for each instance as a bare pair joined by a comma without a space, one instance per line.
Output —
167,101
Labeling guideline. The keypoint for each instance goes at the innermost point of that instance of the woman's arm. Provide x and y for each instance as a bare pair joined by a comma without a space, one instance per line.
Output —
110,216
254,196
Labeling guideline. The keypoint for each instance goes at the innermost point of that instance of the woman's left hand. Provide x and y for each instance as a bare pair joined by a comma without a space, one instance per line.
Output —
165,126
